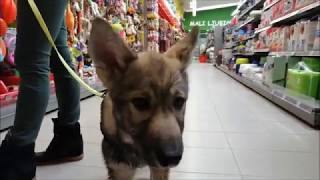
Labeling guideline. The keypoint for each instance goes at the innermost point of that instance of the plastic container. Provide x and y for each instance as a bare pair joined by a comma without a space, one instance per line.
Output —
304,82
313,63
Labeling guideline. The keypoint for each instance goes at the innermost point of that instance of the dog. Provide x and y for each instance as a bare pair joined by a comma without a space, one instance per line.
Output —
142,115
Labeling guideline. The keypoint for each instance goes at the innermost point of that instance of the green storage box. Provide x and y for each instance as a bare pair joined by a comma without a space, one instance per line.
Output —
313,63
304,82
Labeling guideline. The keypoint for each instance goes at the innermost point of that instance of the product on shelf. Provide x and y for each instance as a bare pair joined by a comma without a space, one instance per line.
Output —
305,77
3,27
8,11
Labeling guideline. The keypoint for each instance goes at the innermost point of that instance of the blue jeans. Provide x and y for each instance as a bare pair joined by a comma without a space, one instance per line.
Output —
34,59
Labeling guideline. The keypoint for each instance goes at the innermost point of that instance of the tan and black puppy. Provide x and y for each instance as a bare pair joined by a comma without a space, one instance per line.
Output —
142,117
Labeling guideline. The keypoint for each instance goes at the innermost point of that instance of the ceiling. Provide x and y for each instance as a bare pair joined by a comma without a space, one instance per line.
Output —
206,3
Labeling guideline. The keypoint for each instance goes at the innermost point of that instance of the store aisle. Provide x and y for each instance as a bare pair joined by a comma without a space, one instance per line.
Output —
231,133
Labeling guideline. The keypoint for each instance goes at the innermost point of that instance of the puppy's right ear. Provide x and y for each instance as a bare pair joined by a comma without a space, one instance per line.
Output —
109,53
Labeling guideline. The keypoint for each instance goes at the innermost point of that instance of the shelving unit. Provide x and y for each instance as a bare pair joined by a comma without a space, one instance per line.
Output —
303,106
304,12
250,20
294,16
257,5
270,5
7,112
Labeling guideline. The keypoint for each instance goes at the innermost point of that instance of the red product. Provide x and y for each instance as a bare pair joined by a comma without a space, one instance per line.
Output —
3,88
203,58
8,10
11,80
3,27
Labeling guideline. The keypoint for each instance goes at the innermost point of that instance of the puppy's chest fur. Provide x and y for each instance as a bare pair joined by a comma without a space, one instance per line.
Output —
113,148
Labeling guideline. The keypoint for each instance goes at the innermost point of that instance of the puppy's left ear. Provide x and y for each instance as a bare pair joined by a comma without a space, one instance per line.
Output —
183,49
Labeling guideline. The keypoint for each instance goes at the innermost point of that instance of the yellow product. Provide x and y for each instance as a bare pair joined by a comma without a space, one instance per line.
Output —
131,39
152,15
242,61
117,27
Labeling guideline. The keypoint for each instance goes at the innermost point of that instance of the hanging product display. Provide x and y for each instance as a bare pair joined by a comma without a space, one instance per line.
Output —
153,25
8,11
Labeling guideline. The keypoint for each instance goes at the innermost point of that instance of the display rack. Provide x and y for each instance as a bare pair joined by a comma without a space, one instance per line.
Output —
7,112
294,16
242,43
301,106
257,5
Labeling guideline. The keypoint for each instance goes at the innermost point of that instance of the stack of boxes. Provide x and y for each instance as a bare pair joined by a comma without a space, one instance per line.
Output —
302,36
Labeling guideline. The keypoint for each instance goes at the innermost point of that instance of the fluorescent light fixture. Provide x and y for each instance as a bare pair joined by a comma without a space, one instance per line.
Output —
213,7
194,7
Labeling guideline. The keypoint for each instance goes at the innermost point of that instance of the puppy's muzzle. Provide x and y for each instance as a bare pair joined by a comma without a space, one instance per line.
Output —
169,153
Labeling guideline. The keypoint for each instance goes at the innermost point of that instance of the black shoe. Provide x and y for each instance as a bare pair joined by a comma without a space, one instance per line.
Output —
66,146
17,162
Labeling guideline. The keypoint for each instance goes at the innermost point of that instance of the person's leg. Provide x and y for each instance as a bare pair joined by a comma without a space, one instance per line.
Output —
67,142
67,88
32,60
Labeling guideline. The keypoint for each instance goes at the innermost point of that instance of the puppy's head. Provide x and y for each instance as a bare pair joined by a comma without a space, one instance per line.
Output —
148,92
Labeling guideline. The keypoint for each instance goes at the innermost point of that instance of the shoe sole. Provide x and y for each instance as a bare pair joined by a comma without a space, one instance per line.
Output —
60,161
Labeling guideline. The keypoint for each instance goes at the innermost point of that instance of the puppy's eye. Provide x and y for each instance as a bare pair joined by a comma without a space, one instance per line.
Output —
178,102
141,103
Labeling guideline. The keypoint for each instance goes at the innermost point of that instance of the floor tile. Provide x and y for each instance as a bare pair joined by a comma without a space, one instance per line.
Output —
205,126
144,174
71,172
196,160
92,135
204,140
269,141
275,178
282,165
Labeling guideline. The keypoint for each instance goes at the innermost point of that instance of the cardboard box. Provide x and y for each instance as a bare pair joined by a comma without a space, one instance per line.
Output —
308,33
274,71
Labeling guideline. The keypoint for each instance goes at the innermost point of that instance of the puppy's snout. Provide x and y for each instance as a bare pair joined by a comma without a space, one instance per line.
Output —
170,153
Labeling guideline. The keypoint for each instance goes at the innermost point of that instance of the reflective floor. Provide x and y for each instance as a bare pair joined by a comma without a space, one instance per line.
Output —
231,134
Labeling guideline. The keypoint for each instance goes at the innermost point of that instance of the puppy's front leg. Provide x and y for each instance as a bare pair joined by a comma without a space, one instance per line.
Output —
159,173
119,171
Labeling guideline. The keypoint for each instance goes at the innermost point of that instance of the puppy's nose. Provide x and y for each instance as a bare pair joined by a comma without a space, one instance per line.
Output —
170,154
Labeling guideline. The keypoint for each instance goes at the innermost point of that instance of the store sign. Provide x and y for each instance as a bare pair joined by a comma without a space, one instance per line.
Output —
208,19
212,23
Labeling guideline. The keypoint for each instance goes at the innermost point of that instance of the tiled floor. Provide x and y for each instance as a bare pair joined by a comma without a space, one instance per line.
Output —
231,134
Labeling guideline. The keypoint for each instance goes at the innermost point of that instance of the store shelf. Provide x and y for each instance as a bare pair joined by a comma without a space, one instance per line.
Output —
257,5
270,5
7,112
310,54
304,12
230,45
244,54
266,50
250,37
259,30
307,11
301,106
242,4
297,53
250,20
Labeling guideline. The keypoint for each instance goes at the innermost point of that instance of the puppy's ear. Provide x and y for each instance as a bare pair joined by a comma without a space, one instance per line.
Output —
183,49
109,53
